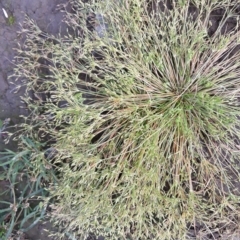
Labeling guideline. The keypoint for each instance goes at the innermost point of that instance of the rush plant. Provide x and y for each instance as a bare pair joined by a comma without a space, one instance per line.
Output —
143,108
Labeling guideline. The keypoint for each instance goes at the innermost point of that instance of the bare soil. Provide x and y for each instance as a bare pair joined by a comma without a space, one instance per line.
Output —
49,19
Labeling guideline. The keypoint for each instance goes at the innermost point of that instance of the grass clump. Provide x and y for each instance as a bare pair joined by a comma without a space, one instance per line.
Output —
143,114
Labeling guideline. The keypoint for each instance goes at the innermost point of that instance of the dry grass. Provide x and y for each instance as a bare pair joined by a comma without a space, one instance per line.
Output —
148,130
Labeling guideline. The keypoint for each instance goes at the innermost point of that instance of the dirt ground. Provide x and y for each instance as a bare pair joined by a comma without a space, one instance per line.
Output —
48,17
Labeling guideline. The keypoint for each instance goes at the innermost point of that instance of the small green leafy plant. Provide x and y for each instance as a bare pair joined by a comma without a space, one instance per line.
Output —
24,189
11,20
143,117
2,231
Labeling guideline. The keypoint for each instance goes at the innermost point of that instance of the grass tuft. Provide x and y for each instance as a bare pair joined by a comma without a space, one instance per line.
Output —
142,107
